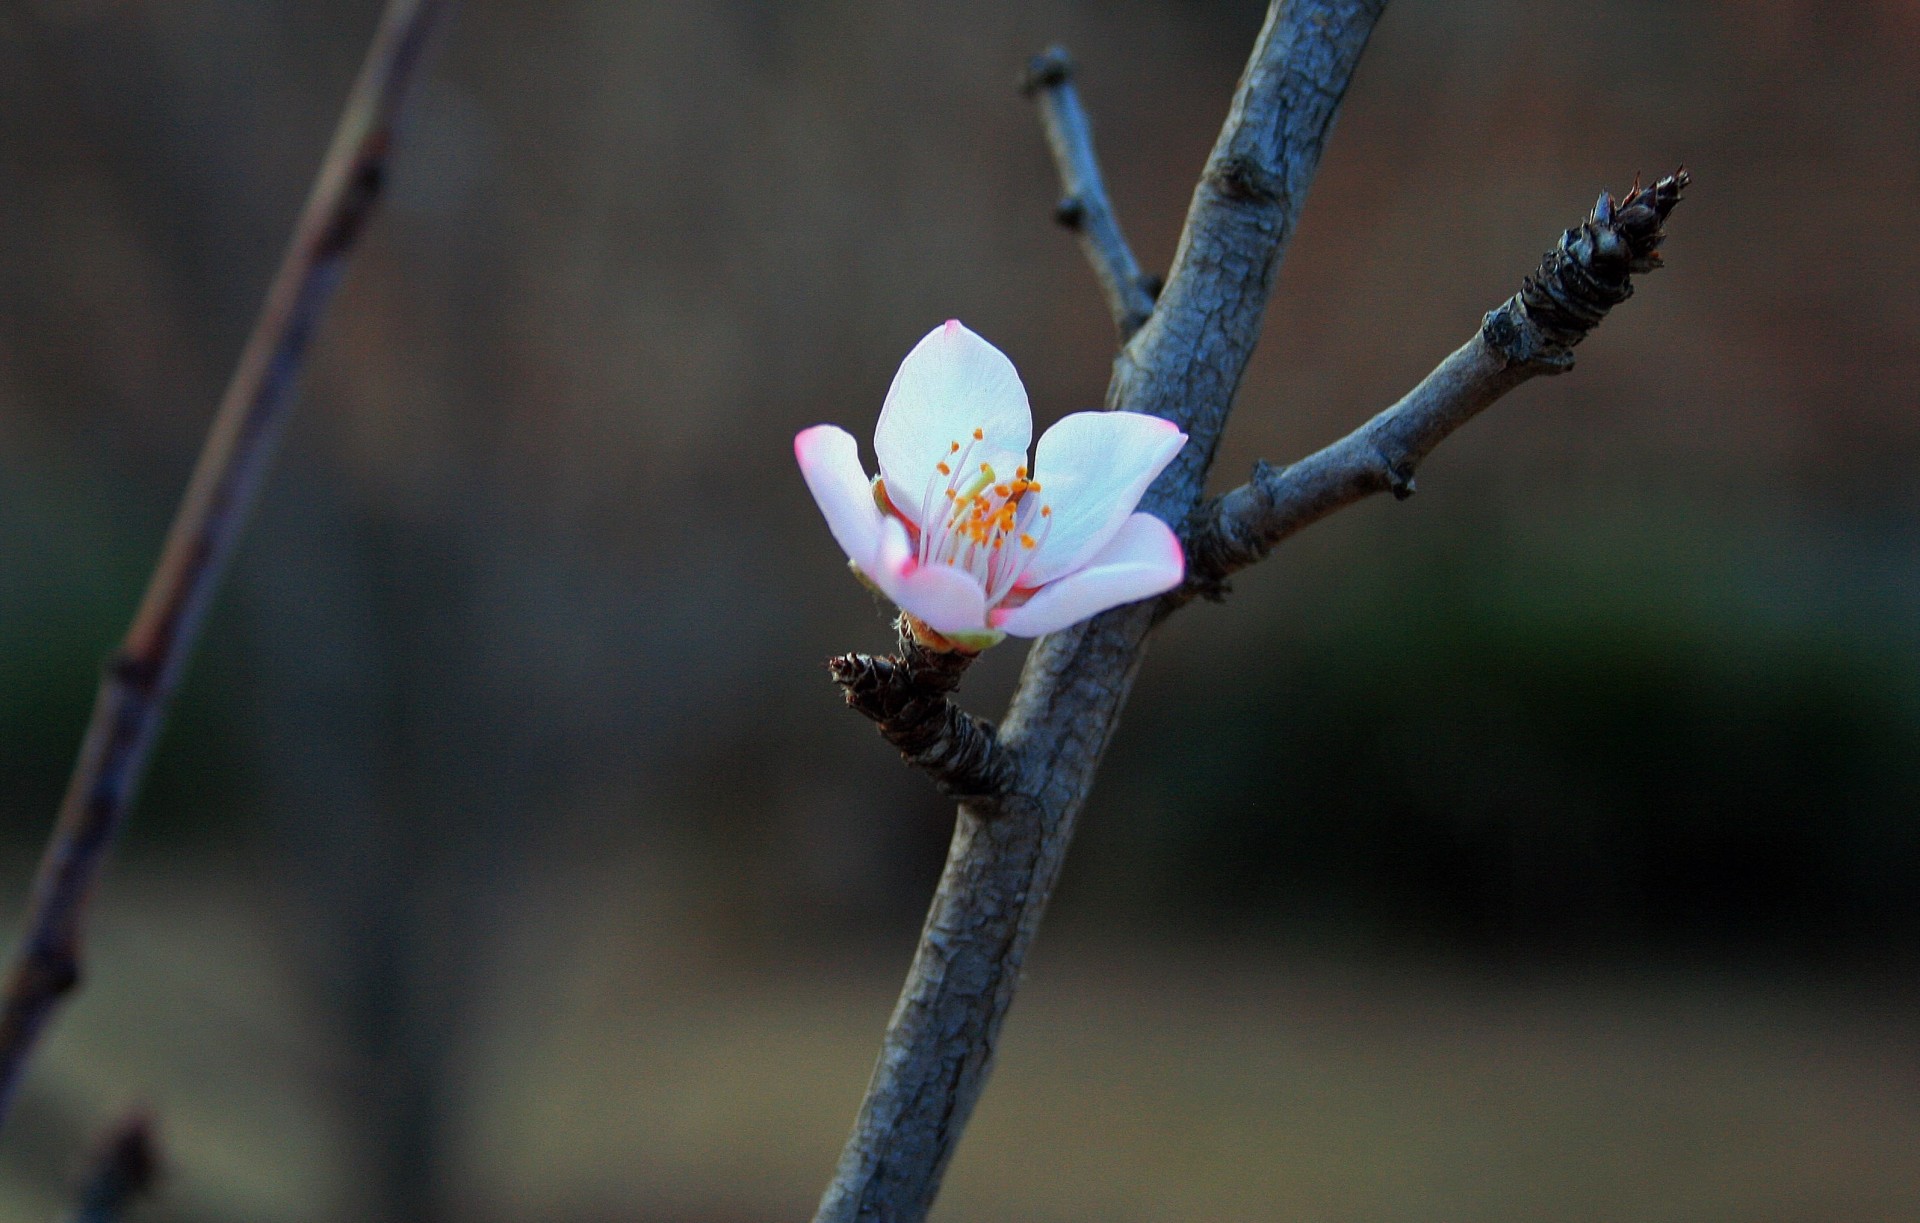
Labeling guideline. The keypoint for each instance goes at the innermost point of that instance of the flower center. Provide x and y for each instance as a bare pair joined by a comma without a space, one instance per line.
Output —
973,520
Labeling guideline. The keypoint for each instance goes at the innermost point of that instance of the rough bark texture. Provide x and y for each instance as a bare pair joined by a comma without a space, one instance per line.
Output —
141,677
905,695
1532,333
1005,859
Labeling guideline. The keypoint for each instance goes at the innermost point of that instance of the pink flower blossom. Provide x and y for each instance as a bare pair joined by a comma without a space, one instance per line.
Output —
960,533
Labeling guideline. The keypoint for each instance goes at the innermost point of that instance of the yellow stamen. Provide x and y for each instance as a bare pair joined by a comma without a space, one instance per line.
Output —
1026,541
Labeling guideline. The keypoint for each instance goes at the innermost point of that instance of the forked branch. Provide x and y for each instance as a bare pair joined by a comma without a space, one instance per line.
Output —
1532,333
1183,364
141,676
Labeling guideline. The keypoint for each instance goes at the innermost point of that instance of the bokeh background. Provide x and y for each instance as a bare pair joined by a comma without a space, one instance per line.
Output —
1544,847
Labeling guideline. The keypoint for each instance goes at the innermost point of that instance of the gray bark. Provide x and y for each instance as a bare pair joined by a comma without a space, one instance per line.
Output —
1183,364
1534,332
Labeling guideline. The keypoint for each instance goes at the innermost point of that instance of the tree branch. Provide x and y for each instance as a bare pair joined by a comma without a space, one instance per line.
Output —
1532,333
125,1167
906,697
1183,364
141,676
1085,208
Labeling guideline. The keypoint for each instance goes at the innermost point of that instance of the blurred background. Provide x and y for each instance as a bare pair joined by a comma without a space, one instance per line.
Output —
1543,847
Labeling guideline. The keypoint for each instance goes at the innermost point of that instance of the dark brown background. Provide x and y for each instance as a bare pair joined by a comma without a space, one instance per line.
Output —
1542,847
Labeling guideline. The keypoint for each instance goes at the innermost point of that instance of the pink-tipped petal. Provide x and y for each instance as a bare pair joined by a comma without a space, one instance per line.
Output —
947,599
1092,468
830,462
1142,559
952,383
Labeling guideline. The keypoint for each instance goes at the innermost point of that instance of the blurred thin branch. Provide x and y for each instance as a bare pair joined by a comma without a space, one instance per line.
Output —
125,1167
142,675
1184,364
1085,208
1532,333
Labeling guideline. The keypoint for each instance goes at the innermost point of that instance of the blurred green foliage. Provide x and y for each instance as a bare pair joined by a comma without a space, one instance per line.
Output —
69,578
1559,741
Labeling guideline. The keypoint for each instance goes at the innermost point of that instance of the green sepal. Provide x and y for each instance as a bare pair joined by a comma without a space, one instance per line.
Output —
977,639
861,577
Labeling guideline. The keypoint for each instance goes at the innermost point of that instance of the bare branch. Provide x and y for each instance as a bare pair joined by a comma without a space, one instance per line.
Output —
906,696
125,1167
1085,208
141,677
1184,364
1532,333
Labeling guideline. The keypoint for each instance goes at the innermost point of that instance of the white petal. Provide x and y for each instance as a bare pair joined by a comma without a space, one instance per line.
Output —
1143,558
830,462
952,383
947,599
1092,468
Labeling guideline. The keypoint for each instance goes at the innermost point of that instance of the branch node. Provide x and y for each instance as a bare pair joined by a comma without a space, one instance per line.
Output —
1047,70
363,190
1400,480
906,696
134,672
1242,177
1084,207
56,972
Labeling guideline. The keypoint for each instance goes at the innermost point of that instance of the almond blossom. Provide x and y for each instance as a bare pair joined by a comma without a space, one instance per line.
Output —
958,530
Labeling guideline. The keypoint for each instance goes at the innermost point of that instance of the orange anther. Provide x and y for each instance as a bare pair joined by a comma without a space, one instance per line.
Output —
1026,541
979,435
943,469
986,468
1019,473
954,449
1046,511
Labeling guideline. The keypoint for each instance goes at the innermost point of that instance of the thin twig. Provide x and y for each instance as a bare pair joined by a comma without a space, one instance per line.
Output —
1184,364
906,697
124,1167
1085,208
1532,333
141,677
